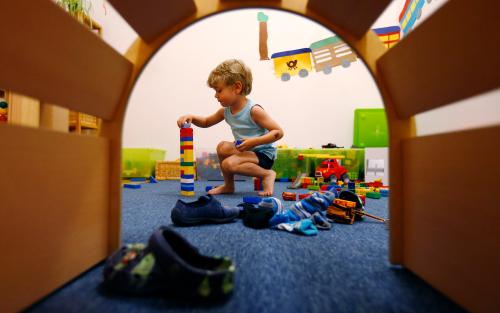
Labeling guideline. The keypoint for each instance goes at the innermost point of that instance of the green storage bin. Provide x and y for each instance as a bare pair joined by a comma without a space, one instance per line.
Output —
370,128
140,162
287,164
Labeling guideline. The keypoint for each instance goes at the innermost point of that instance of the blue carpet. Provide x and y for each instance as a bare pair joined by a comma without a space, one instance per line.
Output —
345,269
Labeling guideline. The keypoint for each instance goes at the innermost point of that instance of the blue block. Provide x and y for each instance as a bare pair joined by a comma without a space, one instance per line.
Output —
138,179
132,186
384,193
284,179
187,176
351,186
252,199
152,180
187,187
208,188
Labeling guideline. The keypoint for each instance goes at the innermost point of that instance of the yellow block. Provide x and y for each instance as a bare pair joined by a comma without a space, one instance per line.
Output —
187,193
188,170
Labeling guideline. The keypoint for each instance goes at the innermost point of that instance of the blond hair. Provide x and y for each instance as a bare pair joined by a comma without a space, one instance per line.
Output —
229,72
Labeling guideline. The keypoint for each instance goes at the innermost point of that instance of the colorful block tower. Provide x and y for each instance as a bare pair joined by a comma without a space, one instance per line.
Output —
187,160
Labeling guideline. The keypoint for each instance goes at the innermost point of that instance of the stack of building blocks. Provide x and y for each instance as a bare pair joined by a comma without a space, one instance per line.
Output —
187,160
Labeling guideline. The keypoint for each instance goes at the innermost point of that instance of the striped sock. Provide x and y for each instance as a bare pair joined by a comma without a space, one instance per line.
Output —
317,202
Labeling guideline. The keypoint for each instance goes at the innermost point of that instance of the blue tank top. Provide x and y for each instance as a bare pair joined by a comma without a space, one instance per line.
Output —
243,126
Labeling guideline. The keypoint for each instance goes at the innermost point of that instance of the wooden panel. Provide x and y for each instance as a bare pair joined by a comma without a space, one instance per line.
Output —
48,55
54,117
353,16
150,18
24,110
451,214
450,56
54,210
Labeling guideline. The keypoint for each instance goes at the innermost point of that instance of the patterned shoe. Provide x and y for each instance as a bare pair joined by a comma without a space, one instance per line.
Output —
168,265
206,209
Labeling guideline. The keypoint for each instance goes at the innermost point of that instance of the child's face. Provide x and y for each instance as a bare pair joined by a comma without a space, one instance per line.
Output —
226,95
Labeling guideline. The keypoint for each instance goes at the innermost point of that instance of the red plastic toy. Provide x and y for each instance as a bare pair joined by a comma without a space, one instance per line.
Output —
332,170
304,195
289,196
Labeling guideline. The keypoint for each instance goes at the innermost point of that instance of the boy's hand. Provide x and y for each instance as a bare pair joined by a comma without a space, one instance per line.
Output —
183,119
246,144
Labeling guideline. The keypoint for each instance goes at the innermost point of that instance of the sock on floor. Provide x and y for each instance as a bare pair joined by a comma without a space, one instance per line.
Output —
317,202
320,221
302,227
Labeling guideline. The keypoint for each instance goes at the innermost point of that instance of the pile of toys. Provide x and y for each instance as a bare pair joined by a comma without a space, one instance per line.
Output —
351,195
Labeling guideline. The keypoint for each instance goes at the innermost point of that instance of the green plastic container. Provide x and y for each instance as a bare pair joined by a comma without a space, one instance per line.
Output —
287,164
370,128
140,162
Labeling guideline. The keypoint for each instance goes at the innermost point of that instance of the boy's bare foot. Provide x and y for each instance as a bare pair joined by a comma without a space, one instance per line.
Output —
268,184
220,190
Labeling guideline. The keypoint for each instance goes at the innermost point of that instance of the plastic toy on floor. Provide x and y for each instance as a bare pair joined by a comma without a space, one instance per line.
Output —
331,170
346,211
298,181
289,196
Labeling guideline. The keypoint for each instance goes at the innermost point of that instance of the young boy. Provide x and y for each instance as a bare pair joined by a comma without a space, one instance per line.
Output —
250,124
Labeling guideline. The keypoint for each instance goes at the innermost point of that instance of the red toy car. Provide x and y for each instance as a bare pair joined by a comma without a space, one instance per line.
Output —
332,170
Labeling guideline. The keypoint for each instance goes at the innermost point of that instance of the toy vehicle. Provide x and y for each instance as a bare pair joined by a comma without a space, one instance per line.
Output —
331,52
293,62
289,196
332,171
411,12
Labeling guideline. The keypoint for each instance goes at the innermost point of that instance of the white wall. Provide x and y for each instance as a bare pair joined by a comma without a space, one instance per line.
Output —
313,110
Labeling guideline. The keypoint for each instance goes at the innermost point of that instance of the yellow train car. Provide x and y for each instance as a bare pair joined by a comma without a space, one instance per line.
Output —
291,63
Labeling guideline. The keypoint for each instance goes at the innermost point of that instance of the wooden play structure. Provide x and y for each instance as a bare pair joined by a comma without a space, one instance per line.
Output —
60,193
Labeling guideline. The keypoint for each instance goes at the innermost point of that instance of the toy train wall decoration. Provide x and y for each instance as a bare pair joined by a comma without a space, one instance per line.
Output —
324,55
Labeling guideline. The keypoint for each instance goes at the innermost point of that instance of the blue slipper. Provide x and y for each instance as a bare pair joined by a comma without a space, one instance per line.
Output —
206,209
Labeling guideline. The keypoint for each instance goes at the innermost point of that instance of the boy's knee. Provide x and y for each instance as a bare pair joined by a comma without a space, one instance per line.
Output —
228,165
224,148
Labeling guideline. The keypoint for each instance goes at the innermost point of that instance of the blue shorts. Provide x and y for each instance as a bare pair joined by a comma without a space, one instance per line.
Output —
264,161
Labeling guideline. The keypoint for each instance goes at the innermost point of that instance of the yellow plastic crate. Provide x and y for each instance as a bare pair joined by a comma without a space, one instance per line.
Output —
170,170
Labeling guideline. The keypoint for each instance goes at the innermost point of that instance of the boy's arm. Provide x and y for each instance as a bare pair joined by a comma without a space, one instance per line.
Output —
263,119
203,121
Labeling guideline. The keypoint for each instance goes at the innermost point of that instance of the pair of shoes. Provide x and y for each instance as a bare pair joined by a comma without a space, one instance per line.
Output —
206,209
168,265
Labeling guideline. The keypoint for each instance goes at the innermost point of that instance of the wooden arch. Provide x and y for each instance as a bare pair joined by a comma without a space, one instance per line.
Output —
60,204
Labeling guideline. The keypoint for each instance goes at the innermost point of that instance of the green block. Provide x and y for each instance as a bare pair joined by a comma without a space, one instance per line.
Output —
373,195
370,128
313,187
140,162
